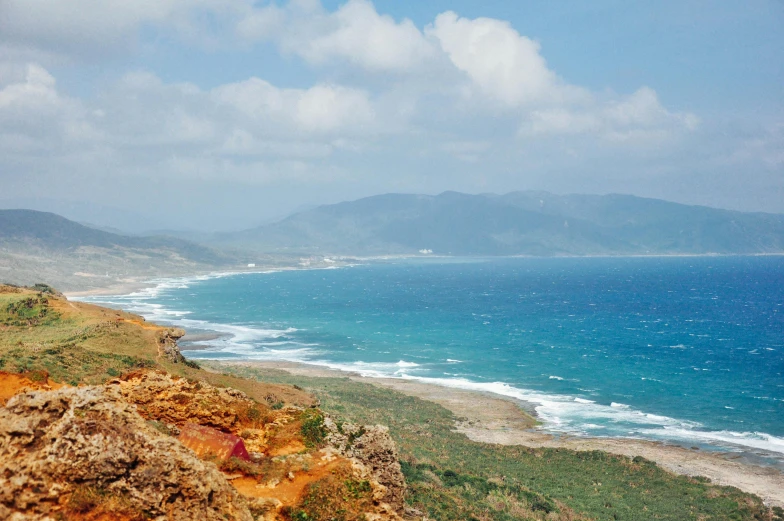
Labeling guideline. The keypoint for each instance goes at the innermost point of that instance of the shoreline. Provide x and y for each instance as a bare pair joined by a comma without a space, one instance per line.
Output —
123,288
134,284
495,419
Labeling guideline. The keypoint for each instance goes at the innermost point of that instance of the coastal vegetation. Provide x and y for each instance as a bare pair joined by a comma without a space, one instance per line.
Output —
449,477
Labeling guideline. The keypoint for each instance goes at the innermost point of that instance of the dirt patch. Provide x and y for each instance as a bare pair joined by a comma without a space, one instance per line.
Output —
12,384
288,491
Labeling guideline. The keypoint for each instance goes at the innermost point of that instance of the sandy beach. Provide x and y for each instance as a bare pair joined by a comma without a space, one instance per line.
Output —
124,287
490,418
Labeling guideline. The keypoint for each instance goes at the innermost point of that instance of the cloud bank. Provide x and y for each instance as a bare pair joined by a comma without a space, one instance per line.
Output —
458,89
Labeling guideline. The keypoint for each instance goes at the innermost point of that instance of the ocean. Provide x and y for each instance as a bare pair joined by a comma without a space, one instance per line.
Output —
685,350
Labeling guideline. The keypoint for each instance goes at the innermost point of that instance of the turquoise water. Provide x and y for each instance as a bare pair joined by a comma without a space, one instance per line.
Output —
685,350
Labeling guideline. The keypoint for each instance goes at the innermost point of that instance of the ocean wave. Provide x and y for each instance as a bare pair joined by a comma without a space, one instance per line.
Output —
563,413
401,369
576,415
737,440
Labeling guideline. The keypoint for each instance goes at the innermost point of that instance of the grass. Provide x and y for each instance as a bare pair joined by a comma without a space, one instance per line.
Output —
336,497
452,477
81,343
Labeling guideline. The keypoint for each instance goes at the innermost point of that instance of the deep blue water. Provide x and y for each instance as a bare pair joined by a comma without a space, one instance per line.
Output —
689,350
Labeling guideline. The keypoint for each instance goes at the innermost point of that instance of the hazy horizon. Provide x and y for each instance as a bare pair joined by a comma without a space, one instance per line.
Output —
121,221
223,115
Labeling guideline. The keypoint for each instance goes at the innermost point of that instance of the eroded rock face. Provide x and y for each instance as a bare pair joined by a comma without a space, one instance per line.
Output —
376,454
169,347
52,442
176,401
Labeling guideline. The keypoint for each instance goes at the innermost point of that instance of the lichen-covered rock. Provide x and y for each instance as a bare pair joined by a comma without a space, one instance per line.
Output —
376,454
55,443
170,399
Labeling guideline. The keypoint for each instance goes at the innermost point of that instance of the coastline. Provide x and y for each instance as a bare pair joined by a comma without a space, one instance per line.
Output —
134,284
125,287
496,419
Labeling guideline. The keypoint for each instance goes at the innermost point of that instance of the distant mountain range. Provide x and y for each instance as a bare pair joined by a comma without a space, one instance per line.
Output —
44,247
518,223
50,231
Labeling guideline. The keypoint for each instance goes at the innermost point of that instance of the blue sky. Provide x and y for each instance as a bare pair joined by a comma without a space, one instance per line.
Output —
219,114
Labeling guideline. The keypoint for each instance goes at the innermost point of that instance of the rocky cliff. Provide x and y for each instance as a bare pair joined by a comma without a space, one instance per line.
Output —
112,450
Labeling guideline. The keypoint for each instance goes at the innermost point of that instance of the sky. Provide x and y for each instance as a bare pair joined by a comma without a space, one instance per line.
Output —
224,114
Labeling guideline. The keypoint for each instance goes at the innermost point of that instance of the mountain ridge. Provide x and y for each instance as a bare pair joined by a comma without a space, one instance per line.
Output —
41,246
517,223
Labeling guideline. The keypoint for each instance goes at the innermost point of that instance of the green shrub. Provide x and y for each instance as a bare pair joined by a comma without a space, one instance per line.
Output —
313,431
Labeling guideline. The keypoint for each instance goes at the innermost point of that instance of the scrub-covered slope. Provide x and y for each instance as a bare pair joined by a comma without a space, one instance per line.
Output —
155,444
519,223
36,246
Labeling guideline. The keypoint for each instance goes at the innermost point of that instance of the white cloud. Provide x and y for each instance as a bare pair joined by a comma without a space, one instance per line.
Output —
37,90
35,116
326,107
355,33
142,124
321,108
486,69
503,64
382,92
764,147
81,29
638,117
359,34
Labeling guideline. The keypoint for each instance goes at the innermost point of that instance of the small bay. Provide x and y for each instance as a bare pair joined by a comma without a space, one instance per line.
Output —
688,350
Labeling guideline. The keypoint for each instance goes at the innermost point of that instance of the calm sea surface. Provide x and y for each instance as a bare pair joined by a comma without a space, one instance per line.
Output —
686,350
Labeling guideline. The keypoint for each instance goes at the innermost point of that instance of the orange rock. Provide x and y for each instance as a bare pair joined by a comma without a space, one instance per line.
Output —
206,441
12,384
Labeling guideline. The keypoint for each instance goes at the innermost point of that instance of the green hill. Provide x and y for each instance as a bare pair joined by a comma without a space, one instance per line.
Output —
518,223
44,247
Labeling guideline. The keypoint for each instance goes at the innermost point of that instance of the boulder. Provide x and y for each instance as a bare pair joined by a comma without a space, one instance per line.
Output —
208,442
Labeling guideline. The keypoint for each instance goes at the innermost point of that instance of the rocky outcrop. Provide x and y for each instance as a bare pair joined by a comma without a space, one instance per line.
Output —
168,345
376,459
55,444
173,400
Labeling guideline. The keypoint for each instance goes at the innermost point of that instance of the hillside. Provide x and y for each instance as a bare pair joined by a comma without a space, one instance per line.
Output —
108,402
129,430
40,246
518,223
47,230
